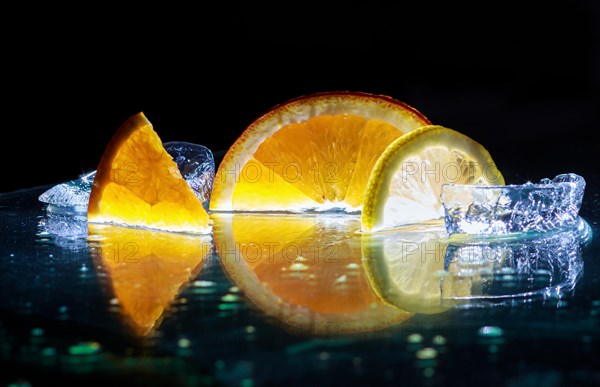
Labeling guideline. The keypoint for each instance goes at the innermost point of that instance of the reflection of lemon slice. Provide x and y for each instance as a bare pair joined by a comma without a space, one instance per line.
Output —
305,272
406,269
407,179
138,184
311,153
147,269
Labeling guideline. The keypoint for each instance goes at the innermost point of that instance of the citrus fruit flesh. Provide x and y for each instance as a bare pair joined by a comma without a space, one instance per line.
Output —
407,179
313,153
147,269
304,272
138,184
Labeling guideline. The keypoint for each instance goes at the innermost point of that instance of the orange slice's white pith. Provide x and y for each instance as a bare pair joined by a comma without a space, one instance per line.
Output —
138,184
312,153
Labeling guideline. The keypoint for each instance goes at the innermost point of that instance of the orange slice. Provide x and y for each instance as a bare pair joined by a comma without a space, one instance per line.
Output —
315,152
303,272
138,184
147,270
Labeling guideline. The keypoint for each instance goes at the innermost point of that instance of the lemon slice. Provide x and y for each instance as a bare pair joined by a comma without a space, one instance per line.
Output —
407,179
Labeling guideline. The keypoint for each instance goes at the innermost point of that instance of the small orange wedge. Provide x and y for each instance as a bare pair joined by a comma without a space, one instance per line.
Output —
315,152
138,184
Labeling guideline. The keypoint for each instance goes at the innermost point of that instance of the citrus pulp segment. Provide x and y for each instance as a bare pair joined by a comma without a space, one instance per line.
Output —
138,184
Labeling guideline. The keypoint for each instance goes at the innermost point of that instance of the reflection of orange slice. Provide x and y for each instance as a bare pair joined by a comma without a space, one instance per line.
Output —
303,271
138,184
313,152
147,269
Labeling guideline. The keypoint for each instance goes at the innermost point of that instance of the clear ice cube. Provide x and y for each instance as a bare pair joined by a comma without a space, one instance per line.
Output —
74,193
550,204
195,162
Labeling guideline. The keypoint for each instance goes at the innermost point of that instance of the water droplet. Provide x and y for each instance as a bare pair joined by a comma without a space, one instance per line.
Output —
114,301
229,306
183,343
352,266
230,298
586,339
490,331
426,354
439,340
428,372
51,255
48,351
247,383
300,259
85,348
203,284
37,332
11,254
83,268
250,329
324,356
234,289
63,309
341,279
415,338
298,267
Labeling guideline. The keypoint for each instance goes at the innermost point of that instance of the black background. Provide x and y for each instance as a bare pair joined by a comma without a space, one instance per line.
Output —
522,78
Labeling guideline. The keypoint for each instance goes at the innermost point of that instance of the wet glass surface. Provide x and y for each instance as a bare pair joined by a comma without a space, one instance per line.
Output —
295,301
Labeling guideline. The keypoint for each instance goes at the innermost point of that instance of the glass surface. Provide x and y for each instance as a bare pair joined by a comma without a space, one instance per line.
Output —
293,300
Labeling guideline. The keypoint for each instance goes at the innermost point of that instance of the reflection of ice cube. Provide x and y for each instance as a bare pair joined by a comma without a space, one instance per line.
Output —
66,230
509,267
550,204
195,162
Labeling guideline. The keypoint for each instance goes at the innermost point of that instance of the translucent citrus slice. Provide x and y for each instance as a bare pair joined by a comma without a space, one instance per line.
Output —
312,153
138,184
304,272
407,180
146,269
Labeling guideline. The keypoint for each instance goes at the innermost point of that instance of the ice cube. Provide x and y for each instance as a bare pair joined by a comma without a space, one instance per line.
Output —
550,204
74,194
195,162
